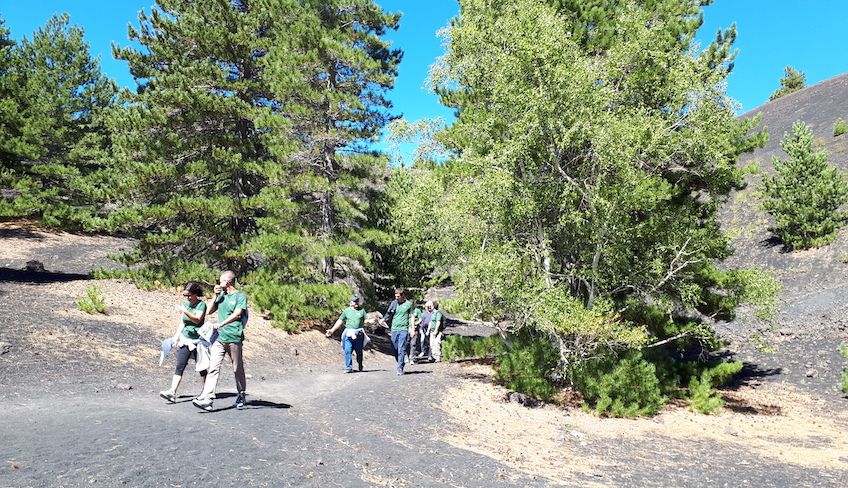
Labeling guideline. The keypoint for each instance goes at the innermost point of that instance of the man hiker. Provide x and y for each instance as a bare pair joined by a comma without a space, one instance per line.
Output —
231,305
353,337
398,316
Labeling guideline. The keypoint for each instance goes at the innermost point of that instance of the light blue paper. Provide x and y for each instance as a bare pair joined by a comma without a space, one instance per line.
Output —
167,344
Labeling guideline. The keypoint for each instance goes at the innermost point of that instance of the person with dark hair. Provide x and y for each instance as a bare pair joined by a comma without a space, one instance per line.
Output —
353,337
193,312
231,305
398,316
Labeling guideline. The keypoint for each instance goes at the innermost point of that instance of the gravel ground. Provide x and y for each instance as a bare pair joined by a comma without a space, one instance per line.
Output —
80,407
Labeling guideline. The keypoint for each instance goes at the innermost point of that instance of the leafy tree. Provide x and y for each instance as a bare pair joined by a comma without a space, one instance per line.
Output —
792,81
584,190
242,147
59,91
805,194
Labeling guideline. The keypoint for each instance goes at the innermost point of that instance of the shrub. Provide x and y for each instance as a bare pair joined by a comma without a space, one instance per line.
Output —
528,366
625,386
843,349
839,127
703,398
94,301
458,347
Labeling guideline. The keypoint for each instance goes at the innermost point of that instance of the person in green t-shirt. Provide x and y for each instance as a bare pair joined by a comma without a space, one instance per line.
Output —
231,305
353,337
437,325
193,312
399,315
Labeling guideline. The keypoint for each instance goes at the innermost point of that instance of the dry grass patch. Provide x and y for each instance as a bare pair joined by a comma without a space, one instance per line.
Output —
769,421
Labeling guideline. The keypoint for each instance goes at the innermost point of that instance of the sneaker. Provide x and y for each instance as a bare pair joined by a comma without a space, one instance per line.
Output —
169,396
203,403
239,403
348,370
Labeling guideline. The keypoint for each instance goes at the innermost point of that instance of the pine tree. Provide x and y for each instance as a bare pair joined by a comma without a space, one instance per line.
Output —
243,146
60,90
805,195
792,81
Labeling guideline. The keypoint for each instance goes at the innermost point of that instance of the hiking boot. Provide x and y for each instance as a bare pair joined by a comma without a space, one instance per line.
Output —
239,403
203,403
168,395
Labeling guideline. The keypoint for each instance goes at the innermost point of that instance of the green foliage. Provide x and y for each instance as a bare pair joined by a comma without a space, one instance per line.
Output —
51,143
843,349
528,366
792,81
703,398
459,347
94,301
625,387
290,304
246,150
805,195
840,127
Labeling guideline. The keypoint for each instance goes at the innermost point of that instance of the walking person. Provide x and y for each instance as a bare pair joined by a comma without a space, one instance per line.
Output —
400,313
437,325
424,330
353,337
231,305
193,312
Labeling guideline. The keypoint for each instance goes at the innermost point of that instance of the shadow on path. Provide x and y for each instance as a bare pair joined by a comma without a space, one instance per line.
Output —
26,276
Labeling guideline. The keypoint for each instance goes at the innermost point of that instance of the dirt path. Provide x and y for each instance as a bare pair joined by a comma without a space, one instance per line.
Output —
80,407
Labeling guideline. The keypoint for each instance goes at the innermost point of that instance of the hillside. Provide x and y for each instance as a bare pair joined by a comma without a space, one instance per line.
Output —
812,313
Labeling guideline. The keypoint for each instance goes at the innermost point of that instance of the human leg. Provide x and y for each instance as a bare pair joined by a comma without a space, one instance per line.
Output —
358,343
436,346
183,354
347,345
399,344
216,357
235,349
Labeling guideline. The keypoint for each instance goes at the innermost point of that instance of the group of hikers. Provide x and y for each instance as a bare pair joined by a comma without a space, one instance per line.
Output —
416,335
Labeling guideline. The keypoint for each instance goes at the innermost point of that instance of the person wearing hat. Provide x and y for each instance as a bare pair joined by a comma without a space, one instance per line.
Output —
353,337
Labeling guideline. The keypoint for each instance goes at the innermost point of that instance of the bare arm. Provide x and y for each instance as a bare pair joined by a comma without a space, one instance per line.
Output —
335,327
232,318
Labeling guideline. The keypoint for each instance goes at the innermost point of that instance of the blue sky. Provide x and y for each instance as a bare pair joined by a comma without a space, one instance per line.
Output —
807,34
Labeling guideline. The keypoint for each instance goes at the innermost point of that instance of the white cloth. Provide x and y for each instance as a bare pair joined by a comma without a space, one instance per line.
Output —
353,333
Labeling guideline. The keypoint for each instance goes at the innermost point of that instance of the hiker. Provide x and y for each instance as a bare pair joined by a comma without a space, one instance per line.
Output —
231,305
193,314
353,337
437,325
398,316
424,330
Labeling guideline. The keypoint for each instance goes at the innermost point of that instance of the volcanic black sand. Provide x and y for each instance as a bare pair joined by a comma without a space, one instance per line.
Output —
80,405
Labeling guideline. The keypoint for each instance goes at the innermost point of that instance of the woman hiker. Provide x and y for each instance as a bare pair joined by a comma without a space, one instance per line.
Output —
193,313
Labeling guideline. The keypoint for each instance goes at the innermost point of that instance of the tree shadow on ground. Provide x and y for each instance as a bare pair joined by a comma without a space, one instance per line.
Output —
21,233
749,376
27,276
774,241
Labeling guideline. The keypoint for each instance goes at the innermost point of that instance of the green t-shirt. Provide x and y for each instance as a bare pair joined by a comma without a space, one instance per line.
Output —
234,331
190,328
401,319
352,317
435,321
